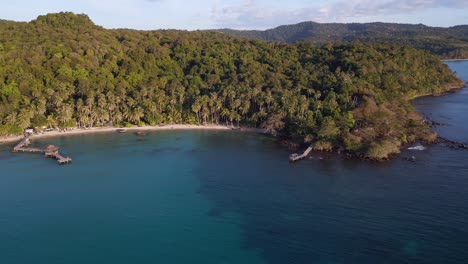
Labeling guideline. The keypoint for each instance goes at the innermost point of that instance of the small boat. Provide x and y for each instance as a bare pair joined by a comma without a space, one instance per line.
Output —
121,130
140,133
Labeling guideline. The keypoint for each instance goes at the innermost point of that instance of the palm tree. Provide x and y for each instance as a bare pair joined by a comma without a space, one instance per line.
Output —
196,107
274,124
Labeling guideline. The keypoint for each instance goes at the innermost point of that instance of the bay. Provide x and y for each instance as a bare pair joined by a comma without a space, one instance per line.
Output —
230,197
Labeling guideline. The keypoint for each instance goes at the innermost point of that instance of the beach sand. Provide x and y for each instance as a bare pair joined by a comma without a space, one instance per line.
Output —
80,131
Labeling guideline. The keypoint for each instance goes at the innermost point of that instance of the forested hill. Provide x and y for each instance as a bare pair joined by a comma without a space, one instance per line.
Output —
448,43
61,70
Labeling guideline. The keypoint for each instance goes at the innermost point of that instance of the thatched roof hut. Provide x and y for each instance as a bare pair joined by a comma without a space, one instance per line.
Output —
51,149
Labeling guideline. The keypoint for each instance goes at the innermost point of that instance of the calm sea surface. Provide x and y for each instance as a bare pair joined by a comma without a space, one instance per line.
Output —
227,197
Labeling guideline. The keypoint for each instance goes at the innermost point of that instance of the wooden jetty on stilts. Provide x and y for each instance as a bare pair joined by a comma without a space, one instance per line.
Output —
22,144
296,157
51,151
30,150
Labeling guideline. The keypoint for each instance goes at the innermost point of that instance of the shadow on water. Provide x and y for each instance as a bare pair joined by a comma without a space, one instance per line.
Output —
339,210
195,150
163,149
5,157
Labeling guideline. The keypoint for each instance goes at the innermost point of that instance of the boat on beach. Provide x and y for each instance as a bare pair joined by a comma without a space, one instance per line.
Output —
140,133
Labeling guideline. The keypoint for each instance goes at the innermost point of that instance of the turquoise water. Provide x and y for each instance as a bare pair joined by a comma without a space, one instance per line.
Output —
229,197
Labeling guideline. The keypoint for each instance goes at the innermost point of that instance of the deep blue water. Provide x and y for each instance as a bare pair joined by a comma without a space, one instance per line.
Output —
227,197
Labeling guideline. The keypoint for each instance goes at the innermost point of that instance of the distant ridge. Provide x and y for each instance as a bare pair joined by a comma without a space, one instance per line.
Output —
448,43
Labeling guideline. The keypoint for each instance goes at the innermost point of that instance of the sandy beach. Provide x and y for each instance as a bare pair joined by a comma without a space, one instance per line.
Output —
80,131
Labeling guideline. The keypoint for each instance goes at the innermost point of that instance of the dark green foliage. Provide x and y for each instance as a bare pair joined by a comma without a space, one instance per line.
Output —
62,71
448,43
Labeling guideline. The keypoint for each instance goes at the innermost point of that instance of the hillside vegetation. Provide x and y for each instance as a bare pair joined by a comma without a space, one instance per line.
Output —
61,70
447,43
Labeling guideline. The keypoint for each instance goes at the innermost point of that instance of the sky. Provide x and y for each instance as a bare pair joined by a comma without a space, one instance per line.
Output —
241,14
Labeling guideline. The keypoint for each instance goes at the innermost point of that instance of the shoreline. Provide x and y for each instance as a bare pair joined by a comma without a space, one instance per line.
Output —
92,130
449,60
452,88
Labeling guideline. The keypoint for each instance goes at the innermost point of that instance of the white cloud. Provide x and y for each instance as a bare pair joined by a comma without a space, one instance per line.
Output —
362,8
241,14
252,15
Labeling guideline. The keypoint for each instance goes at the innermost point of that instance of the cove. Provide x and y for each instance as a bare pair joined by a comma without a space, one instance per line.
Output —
228,197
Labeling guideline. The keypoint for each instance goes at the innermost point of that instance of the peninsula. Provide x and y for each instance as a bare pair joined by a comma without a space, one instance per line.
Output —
63,71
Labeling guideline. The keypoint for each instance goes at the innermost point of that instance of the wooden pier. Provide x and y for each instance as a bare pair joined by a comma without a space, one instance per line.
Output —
21,146
30,150
296,157
51,151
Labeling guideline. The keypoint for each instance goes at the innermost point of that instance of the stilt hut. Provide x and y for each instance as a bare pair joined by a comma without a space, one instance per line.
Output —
51,151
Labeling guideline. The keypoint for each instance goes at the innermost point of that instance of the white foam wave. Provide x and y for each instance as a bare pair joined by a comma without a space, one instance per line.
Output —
417,148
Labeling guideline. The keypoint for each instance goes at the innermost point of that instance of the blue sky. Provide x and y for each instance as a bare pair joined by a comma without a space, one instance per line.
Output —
241,14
